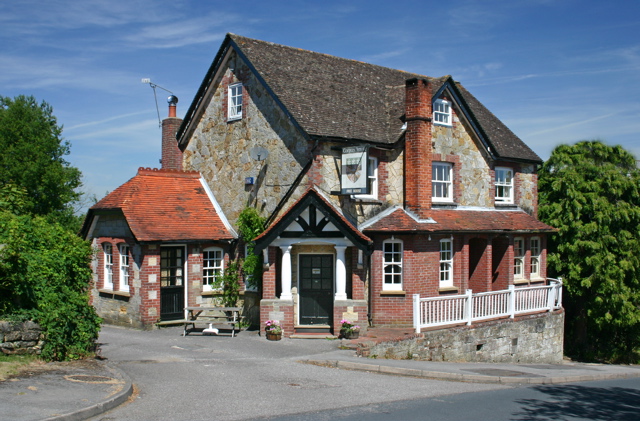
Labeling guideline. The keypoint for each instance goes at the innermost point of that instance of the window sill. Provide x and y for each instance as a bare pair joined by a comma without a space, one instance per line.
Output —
212,292
448,289
444,205
520,281
396,293
111,292
505,205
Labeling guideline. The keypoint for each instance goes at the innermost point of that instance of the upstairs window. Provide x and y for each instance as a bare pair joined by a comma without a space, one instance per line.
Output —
518,258
392,265
504,185
446,262
442,184
234,102
107,249
212,268
124,267
372,180
535,256
442,112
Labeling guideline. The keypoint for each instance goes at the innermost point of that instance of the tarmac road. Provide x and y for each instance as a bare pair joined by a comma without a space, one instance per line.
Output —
246,377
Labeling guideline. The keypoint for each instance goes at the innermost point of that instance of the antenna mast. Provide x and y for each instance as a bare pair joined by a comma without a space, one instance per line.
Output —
154,86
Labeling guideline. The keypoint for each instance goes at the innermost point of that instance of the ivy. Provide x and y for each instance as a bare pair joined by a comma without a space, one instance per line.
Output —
251,225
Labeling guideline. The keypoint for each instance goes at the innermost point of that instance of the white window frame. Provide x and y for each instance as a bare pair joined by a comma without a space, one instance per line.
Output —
442,182
211,273
442,113
518,258
504,185
372,180
124,267
107,250
392,265
234,101
446,263
536,251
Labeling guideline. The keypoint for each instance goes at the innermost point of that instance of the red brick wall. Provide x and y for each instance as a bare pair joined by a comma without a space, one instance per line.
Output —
418,147
171,154
502,262
479,265
269,276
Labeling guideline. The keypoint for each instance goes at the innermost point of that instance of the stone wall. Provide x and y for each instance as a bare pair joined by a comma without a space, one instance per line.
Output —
529,339
221,150
20,338
473,169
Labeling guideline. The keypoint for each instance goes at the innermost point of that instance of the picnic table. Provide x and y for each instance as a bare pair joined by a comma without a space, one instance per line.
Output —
214,318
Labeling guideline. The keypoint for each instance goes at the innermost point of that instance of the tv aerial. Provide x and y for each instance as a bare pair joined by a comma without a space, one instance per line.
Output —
171,100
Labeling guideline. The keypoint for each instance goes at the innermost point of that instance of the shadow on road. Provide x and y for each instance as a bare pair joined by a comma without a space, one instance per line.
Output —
571,401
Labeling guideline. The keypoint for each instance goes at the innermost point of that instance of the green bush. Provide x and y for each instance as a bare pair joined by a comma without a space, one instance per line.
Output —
44,276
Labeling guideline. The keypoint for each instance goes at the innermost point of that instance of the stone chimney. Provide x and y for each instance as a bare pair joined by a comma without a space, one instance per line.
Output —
418,148
171,154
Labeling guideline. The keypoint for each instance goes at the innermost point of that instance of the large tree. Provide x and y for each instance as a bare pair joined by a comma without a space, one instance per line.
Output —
32,154
590,192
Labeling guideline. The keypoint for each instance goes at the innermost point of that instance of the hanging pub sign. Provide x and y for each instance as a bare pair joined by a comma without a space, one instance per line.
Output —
354,170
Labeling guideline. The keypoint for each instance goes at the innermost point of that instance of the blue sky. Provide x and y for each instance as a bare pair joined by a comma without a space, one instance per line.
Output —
555,71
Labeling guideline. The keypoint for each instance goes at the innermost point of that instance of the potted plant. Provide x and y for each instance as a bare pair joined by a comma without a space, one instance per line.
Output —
349,330
273,330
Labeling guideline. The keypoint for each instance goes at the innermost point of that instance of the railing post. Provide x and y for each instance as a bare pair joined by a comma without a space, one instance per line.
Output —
416,312
559,292
512,301
469,306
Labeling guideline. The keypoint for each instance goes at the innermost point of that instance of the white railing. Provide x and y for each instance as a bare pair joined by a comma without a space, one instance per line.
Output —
470,307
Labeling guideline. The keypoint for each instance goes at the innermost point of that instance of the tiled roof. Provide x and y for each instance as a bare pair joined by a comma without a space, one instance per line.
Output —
449,220
334,97
166,205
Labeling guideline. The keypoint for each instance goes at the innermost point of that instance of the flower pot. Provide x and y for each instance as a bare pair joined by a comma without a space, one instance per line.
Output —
274,336
350,334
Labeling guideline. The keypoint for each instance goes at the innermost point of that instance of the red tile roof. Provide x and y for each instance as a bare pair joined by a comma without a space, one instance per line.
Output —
449,220
166,205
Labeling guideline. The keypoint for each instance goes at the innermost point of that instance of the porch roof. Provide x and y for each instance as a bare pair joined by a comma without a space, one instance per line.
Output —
398,220
313,197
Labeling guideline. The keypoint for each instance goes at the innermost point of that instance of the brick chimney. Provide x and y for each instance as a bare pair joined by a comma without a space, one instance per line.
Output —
418,148
171,154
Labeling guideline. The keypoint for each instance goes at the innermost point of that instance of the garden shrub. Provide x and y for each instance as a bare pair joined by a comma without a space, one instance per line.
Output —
45,276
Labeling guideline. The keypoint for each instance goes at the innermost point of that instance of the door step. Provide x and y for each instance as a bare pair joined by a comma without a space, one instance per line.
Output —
313,332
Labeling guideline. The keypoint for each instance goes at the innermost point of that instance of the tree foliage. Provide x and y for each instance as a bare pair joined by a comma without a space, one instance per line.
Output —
44,276
32,157
590,192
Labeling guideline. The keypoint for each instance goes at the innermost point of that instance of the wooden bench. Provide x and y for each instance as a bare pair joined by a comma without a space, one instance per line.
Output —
225,318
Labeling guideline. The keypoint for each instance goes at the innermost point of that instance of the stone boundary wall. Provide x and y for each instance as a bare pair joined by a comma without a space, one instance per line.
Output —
537,338
20,338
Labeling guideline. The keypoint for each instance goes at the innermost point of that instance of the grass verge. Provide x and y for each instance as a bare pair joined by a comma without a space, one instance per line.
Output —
11,365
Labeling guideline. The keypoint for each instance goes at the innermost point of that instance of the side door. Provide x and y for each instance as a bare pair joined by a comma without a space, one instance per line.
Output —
172,279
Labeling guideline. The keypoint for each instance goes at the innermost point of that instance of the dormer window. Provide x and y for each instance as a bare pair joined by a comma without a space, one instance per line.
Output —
442,112
504,185
234,99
